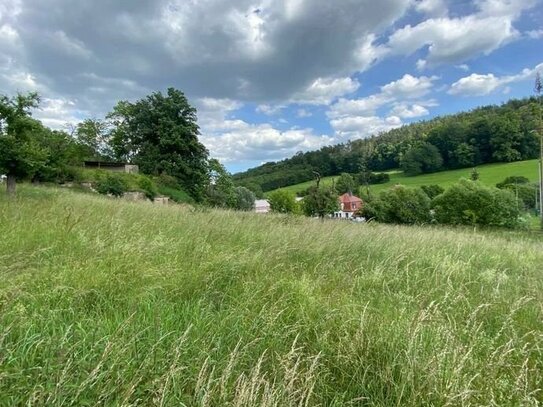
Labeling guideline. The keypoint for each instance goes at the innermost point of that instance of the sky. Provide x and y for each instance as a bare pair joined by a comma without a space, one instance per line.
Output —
270,78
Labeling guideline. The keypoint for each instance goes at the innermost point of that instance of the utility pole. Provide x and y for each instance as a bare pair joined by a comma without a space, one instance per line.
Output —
538,89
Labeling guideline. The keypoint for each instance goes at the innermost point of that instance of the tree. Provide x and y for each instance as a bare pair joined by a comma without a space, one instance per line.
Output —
160,134
471,203
346,183
93,135
220,191
320,202
20,153
422,159
245,199
282,201
400,205
474,176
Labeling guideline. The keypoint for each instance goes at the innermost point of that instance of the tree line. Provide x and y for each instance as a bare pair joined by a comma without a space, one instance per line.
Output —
159,133
484,135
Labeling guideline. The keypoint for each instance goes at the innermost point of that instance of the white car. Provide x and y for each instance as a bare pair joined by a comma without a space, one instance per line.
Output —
2,178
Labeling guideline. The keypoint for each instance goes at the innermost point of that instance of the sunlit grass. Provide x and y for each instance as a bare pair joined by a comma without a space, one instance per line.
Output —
105,302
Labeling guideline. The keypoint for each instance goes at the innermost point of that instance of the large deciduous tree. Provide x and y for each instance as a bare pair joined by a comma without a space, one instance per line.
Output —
160,134
21,155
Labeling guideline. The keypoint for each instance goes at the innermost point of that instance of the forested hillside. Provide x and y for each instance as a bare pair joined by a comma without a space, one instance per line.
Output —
487,134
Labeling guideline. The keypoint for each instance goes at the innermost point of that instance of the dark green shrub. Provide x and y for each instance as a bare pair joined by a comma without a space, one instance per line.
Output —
513,180
432,190
148,187
112,184
373,178
471,203
400,205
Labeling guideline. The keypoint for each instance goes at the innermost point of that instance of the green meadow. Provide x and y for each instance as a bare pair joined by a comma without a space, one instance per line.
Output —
490,174
110,303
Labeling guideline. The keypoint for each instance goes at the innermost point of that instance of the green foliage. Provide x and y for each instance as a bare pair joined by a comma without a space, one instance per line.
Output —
220,192
346,183
400,205
513,180
112,184
283,202
424,158
148,187
21,155
522,189
93,135
471,203
474,176
160,134
320,202
245,199
372,178
432,190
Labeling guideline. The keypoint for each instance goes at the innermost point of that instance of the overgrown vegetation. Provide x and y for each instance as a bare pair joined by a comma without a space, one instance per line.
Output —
104,302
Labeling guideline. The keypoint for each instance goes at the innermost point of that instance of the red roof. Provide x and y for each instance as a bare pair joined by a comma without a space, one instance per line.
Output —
349,198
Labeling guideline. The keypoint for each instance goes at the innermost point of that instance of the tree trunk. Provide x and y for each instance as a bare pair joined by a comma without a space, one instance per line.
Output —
11,185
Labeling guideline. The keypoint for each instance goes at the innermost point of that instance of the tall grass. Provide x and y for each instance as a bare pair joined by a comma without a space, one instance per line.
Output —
105,302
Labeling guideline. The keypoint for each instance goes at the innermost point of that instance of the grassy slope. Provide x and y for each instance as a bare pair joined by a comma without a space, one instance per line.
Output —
115,303
491,174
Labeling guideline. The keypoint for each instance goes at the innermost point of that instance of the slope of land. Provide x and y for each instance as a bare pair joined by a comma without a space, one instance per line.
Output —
106,302
490,174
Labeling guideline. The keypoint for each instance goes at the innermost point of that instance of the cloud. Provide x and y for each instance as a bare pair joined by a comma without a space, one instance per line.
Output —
409,87
270,110
353,127
484,84
535,34
406,111
214,48
233,140
239,141
303,113
432,8
453,40
324,91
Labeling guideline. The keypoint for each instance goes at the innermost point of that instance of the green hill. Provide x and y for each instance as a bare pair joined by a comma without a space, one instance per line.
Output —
488,134
490,174
106,302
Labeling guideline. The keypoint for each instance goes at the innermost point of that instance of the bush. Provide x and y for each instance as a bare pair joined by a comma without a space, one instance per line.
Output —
244,199
471,203
148,187
282,201
373,178
432,190
527,193
112,184
513,180
400,205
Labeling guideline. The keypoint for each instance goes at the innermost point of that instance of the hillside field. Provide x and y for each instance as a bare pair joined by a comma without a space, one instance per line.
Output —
107,302
490,174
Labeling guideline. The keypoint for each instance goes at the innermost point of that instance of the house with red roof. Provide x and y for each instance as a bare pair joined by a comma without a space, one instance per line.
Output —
349,204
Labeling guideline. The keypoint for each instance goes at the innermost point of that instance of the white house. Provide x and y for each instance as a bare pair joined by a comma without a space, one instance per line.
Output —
262,206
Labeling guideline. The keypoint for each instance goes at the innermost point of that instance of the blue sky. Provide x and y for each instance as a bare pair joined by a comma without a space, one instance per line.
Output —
273,77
